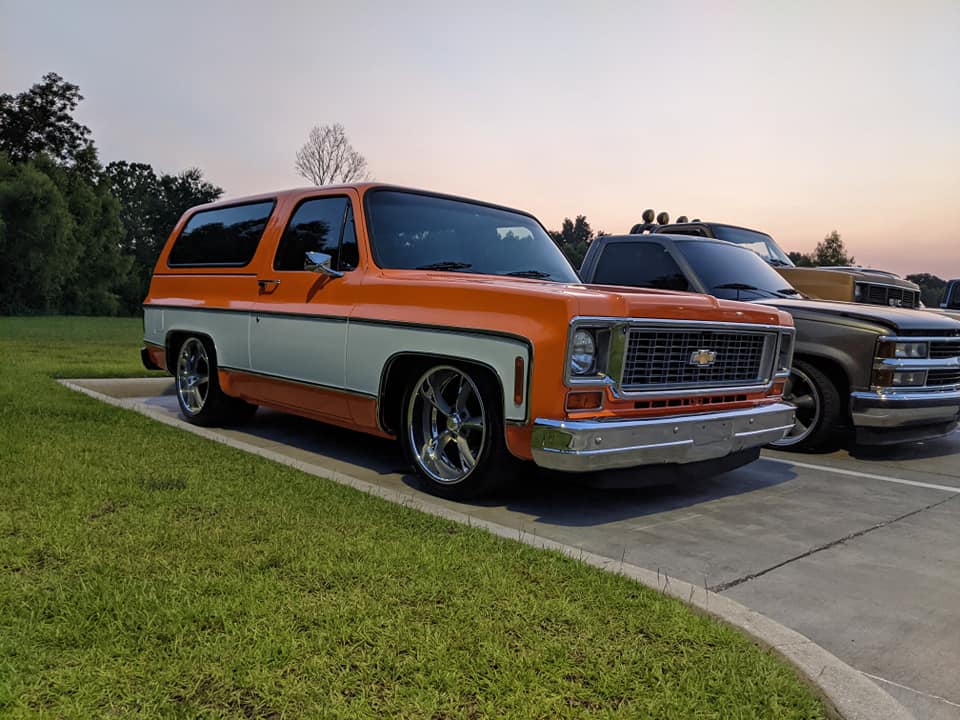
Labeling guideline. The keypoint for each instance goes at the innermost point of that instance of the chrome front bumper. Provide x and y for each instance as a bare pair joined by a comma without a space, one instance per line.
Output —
904,408
587,445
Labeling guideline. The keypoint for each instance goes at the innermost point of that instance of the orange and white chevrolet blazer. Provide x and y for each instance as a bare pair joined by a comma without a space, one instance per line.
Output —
459,328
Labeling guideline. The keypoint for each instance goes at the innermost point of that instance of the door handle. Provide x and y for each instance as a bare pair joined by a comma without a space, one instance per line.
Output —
263,284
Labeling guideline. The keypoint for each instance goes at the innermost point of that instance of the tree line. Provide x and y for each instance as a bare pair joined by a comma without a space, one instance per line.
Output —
78,237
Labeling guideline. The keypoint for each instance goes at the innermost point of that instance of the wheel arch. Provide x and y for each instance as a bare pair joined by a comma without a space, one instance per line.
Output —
834,369
400,369
175,337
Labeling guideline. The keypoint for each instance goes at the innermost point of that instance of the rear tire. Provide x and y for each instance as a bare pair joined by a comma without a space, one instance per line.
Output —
201,400
452,432
819,410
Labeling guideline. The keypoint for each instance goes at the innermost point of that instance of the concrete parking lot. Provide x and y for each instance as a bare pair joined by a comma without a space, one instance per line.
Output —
859,551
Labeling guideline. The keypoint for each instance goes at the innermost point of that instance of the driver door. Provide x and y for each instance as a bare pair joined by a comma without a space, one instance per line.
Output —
299,329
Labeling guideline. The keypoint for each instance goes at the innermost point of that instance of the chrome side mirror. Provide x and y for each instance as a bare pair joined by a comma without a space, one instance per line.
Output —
319,262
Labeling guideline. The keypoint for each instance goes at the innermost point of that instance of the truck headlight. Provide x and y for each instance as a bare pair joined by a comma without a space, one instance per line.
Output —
583,353
785,356
911,378
907,350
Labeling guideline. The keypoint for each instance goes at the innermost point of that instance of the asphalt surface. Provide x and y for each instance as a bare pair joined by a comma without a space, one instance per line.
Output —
858,550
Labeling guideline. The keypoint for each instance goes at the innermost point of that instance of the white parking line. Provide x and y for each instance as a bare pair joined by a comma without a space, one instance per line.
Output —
868,476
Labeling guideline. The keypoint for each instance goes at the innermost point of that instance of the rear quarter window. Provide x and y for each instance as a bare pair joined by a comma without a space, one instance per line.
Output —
223,237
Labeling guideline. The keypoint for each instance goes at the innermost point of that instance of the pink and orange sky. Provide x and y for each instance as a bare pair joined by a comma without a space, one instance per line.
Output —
794,118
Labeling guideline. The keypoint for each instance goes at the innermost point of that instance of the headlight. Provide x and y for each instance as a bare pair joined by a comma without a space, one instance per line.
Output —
583,353
911,350
857,292
912,378
785,356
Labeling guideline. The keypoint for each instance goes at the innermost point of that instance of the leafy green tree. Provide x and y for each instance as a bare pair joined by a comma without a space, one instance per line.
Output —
40,121
39,253
831,251
102,268
801,259
931,288
574,238
150,206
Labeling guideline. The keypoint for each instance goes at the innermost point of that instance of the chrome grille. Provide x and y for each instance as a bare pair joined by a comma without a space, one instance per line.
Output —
939,378
944,349
663,357
890,295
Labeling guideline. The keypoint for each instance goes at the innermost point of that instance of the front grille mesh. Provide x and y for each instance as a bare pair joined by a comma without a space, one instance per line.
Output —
884,294
939,378
944,349
663,358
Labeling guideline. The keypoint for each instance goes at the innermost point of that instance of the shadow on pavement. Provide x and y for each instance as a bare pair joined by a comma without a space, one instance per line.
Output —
940,447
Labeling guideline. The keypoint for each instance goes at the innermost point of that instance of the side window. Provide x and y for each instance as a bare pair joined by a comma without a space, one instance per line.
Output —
222,237
317,226
639,264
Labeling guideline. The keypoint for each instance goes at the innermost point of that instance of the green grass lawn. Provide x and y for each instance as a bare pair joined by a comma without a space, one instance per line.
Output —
146,571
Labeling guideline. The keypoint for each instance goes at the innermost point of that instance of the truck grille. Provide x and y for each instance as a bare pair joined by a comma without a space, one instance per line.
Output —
939,378
944,349
656,358
890,295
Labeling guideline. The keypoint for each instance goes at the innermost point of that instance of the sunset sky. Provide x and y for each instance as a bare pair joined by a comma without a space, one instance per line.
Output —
794,118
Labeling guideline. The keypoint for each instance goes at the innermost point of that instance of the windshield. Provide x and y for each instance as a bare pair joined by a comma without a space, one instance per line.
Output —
761,243
732,273
411,231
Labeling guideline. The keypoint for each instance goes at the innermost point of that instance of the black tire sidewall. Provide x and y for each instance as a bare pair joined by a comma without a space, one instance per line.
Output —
825,434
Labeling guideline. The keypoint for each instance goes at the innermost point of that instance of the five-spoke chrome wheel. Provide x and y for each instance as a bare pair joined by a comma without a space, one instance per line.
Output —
193,376
447,424
803,394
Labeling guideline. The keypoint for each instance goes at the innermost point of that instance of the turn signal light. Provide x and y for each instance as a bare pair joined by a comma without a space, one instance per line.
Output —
584,400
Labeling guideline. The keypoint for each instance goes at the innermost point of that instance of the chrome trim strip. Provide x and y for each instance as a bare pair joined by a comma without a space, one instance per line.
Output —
947,393
919,338
918,364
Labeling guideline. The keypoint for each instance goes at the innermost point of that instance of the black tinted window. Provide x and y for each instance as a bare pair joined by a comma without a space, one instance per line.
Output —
224,236
729,271
317,226
639,264
432,233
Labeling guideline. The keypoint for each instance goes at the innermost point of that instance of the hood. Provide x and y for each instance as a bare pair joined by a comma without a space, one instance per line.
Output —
895,318
844,276
605,300
670,305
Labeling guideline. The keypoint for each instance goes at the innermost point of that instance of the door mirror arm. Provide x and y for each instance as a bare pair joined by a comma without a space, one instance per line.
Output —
319,262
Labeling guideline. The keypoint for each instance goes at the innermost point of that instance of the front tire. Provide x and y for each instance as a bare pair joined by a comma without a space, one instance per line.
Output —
452,432
201,400
819,409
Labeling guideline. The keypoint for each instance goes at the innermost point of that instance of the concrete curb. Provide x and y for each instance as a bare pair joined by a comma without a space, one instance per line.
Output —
846,692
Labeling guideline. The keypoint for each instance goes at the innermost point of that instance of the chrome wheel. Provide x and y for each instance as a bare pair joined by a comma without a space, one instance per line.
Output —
447,426
802,393
193,376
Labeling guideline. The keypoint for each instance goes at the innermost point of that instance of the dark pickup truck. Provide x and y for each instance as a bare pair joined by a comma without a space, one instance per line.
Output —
892,374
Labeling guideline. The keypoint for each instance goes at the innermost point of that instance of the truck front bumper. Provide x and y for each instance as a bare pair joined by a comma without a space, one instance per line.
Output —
588,445
884,418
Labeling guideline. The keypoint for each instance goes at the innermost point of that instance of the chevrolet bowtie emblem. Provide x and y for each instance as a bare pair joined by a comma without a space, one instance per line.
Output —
703,358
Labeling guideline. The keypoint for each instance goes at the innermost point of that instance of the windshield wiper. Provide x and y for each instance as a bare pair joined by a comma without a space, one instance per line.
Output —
740,286
777,262
788,291
445,265
535,274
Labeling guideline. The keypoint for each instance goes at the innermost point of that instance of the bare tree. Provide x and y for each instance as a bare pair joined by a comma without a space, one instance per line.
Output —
328,158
